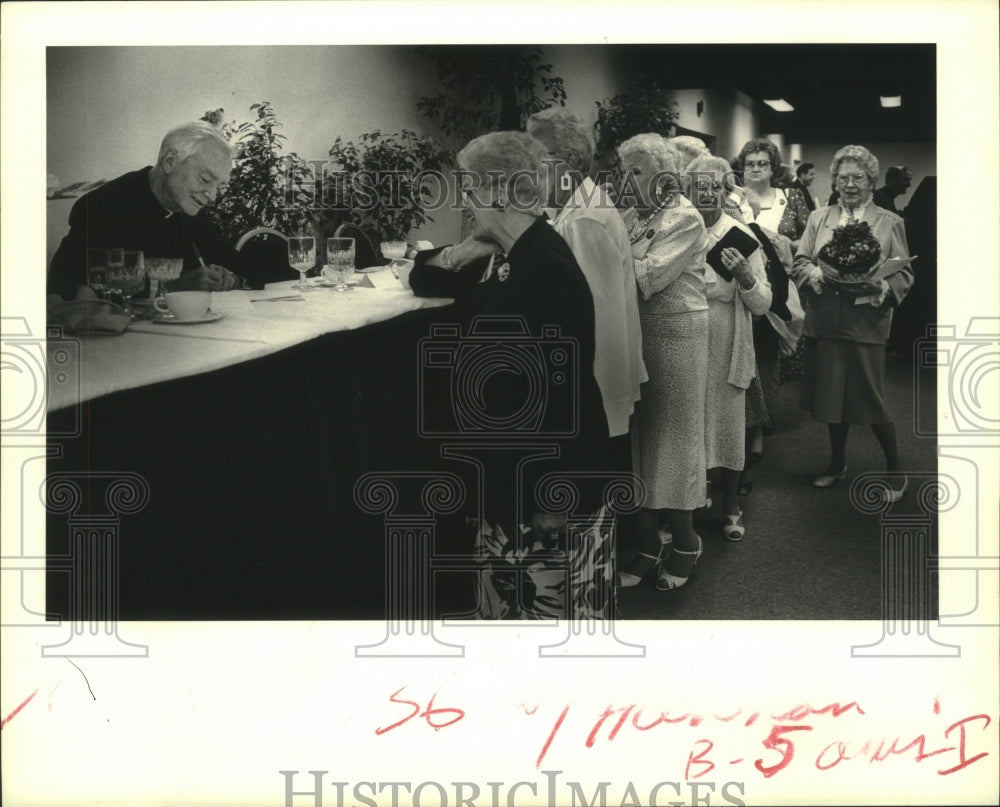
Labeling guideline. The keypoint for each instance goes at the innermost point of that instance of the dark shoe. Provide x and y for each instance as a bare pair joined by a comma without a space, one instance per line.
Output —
745,488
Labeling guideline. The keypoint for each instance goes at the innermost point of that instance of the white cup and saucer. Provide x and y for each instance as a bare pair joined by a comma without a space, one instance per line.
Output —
185,308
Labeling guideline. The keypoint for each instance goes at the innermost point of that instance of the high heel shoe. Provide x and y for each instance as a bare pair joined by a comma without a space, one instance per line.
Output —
892,496
733,529
826,479
631,579
667,579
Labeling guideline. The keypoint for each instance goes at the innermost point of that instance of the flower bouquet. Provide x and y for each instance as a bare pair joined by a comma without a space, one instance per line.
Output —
851,259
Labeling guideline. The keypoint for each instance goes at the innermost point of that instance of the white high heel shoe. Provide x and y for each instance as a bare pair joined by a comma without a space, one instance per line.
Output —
668,581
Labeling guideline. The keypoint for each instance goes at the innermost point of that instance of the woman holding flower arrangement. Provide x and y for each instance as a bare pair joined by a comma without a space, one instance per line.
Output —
849,290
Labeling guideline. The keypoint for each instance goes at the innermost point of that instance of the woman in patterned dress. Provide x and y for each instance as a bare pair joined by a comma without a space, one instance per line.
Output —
668,249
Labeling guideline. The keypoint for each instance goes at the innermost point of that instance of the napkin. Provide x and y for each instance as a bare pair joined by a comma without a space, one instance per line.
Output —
88,316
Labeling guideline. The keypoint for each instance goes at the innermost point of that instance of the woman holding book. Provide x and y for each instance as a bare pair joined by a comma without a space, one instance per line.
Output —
848,310
737,290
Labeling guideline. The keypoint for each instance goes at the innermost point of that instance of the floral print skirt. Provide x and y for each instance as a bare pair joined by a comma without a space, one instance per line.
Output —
525,575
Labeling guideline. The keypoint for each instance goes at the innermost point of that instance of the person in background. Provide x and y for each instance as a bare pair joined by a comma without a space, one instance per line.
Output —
731,306
586,217
844,363
779,210
897,182
668,244
160,210
688,147
804,176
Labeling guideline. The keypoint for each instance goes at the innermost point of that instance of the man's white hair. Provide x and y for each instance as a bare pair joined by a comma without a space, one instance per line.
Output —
188,138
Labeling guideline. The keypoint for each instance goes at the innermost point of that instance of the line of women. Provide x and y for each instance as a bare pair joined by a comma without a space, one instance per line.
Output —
661,300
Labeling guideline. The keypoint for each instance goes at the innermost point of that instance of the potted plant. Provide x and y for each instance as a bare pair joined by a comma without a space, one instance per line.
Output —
644,107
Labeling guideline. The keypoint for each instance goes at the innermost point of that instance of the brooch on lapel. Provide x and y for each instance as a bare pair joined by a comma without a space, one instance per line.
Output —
503,272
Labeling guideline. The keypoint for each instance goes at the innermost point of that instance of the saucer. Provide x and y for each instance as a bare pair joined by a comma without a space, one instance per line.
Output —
170,319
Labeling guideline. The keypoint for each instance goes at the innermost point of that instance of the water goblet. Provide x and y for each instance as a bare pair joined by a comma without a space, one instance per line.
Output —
162,271
97,270
302,257
129,278
340,257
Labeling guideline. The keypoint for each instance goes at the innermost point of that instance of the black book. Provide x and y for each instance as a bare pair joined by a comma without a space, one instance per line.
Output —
734,237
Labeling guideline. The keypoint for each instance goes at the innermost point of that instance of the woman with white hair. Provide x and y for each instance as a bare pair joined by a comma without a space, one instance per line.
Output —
844,362
586,217
524,551
668,249
737,290
688,147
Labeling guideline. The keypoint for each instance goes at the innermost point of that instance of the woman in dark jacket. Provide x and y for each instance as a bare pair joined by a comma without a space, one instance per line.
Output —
845,334
523,381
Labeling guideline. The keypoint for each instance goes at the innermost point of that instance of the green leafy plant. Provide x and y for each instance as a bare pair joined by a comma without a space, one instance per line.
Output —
644,107
267,188
376,183
488,88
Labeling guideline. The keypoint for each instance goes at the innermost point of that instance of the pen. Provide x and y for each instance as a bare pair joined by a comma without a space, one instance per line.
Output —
197,254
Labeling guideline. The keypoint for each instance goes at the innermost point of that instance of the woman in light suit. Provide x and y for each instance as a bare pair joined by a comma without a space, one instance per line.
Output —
844,371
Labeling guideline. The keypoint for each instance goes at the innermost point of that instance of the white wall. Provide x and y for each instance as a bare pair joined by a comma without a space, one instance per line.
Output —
729,115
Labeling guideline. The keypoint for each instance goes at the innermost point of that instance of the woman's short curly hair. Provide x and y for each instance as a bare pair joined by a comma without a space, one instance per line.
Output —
688,147
860,155
760,144
710,164
517,163
563,132
658,149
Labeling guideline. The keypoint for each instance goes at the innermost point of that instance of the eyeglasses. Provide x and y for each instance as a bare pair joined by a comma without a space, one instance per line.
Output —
857,179
704,186
758,163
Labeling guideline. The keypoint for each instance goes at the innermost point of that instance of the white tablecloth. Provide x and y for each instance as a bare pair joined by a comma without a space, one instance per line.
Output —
151,352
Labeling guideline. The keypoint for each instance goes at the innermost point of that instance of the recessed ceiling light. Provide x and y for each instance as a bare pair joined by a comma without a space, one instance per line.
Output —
891,100
779,105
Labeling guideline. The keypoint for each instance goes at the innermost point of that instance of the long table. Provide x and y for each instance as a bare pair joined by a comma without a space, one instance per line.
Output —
213,465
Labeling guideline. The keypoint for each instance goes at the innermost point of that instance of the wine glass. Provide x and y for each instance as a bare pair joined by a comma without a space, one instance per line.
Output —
97,270
162,270
302,257
340,257
127,276
394,251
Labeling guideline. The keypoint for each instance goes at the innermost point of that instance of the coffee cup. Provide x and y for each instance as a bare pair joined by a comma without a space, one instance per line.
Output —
186,306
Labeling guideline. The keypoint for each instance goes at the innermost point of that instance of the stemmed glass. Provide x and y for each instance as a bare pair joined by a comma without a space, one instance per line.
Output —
97,270
162,270
394,251
302,257
126,274
340,257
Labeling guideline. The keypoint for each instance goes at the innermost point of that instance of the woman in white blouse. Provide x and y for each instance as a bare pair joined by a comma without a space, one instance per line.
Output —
668,250
731,304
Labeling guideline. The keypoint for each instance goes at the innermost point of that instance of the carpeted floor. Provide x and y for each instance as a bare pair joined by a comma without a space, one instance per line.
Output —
808,553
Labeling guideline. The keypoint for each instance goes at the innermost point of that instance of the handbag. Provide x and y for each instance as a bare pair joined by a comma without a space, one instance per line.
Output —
790,366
